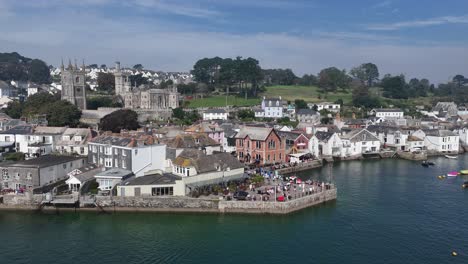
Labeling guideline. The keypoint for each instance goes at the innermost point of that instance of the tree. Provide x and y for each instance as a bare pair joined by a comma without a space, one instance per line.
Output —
93,103
367,73
63,113
459,80
178,113
103,66
14,109
165,84
138,67
308,80
395,87
138,79
280,77
189,88
14,156
118,120
245,114
39,72
362,98
300,104
106,82
330,79
315,108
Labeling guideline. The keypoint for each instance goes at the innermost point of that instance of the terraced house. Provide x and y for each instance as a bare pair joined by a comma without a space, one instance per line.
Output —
260,145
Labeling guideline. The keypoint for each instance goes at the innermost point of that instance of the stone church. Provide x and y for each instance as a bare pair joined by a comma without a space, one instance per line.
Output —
144,98
74,84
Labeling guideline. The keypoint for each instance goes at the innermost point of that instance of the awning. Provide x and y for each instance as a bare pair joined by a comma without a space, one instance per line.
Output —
218,180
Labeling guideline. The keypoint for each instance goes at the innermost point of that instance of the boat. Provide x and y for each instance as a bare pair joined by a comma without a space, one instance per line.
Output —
464,172
452,174
465,184
424,164
451,157
431,163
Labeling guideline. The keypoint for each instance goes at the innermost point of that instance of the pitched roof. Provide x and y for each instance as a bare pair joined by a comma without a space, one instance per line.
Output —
254,133
387,110
306,112
290,135
204,127
43,130
44,161
215,111
357,135
152,179
323,136
439,133
19,130
195,140
124,141
207,163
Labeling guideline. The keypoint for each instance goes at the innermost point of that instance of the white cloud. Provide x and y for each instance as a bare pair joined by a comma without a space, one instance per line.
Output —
421,23
178,8
382,4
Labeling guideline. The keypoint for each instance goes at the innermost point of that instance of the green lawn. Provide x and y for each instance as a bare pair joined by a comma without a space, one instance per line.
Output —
307,93
220,100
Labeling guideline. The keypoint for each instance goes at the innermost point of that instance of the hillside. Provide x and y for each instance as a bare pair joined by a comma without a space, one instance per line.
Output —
306,93
13,66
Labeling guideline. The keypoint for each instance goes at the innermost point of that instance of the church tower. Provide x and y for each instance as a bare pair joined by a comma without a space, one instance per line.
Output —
122,81
74,84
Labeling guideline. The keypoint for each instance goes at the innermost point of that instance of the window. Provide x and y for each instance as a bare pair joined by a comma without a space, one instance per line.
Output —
124,153
64,166
108,162
29,176
82,150
124,164
7,139
94,159
17,176
116,151
5,174
258,144
136,152
280,156
162,191
241,142
77,79
272,144
241,154
116,163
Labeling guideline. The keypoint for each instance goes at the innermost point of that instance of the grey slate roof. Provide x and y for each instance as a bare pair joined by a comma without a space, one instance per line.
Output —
44,161
306,112
87,172
288,135
254,133
439,133
19,130
360,135
115,172
388,110
152,179
207,163
324,136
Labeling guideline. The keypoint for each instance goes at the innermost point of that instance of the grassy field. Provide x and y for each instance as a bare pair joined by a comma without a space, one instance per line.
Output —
307,93
220,100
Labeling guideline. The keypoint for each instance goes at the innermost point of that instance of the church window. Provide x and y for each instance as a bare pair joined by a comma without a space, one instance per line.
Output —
77,79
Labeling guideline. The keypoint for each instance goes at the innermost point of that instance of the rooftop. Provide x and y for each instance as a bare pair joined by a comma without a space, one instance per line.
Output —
44,161
152,179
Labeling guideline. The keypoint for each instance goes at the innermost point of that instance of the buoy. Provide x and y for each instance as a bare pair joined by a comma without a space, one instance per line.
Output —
454,253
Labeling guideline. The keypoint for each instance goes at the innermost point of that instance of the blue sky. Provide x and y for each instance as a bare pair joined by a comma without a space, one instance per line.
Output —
423,39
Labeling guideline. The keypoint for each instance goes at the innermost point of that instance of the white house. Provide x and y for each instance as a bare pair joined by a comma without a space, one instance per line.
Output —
165,184
388,113
308,116
358,142
110,178
331,107
215,114
463,134
389,136
75,141
326,144
79,177
443,141
271,108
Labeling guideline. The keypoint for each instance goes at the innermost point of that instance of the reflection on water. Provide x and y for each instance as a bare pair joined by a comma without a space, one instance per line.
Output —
388,211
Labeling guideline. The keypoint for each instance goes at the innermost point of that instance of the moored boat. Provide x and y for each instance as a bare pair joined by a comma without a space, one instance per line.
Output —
451,157
465,184
464,172
452,174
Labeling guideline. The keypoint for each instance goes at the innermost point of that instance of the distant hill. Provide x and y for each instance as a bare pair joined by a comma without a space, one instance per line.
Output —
15,67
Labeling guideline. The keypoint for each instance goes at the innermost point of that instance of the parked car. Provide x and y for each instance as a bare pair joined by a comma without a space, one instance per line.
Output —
240,195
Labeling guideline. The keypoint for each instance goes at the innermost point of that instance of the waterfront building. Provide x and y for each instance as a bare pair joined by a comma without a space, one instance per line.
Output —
73,82
326,144
138,154
414,143
389,136
77,178
38,172
358,142
166,184
198,169
260,145
74,141
271,108
108,179
443,141
308,116
215,114
296,142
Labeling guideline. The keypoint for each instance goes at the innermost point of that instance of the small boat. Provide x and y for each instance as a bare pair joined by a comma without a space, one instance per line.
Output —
424,164
465,184
464,172
452,174
451,157
430,163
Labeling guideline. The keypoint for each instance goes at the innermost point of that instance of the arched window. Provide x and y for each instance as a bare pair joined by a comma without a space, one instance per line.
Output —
77,79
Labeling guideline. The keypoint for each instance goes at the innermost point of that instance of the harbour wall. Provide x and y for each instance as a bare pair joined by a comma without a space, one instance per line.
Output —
110,204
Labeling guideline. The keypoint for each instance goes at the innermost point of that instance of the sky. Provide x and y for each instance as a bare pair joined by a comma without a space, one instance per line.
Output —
421,39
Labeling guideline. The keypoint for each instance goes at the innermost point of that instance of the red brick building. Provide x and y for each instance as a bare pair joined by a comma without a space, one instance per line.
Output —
260,145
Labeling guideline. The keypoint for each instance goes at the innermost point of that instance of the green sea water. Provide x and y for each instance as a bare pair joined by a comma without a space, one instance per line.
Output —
388,211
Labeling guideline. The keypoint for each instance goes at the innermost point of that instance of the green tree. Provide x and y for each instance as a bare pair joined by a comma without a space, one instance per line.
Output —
367,73
245,114
363,98
308,80
395,87
106,82
138,67
63,113
460,80
178,113
330,79
300,104
118,120
14,109
138,79
39,72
